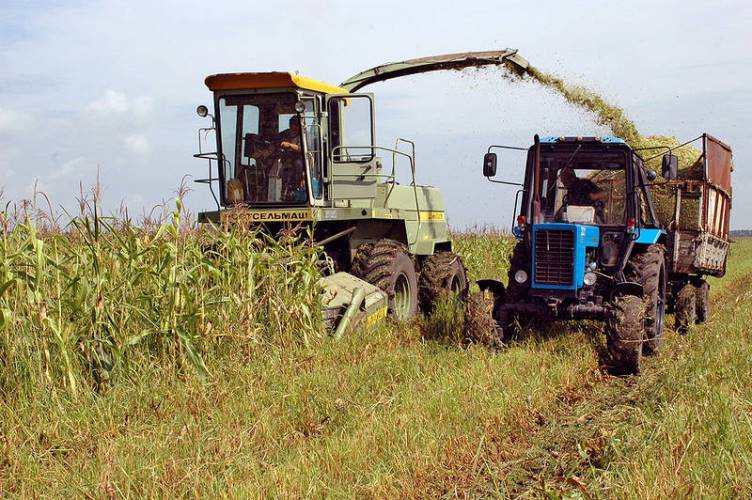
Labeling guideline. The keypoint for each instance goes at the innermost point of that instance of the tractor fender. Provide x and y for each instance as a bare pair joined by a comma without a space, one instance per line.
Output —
496,287
627,288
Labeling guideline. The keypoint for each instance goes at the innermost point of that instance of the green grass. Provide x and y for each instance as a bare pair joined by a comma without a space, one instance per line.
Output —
382,413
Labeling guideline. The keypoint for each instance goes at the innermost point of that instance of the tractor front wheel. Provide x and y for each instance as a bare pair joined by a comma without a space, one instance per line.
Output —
442,276
624,335
649,269
387,265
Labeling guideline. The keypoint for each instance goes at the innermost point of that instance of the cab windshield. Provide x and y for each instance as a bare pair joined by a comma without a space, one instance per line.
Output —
261,149
582,187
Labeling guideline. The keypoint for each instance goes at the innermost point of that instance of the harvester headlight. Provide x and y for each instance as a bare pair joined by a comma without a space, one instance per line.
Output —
202,111
520,276
590,278
299,107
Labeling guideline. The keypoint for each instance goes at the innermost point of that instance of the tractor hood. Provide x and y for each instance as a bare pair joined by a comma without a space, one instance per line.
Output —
507,57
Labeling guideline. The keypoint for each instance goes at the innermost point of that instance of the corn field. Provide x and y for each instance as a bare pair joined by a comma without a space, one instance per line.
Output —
82,305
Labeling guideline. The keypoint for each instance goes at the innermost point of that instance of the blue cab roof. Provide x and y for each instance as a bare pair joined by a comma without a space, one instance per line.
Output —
606,139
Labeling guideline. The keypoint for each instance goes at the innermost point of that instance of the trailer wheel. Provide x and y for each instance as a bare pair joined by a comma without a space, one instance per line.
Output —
686,308
624,335
443,275
702,301
387,265
649,269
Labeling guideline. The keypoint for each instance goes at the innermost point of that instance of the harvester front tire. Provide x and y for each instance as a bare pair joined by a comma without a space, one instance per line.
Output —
649,269
625,332
387,265
442,276
702,301
686,308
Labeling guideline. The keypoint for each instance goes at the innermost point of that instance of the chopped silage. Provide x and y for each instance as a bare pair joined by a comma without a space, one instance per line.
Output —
649,147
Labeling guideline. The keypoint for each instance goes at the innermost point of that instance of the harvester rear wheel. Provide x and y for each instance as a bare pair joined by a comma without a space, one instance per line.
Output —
624,332
442,276
387,265
649,269
686,308
702,300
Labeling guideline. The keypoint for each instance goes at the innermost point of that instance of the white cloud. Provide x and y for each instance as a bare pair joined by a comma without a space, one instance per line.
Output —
76,167
137,144
116,103
111,102
6,174
14,121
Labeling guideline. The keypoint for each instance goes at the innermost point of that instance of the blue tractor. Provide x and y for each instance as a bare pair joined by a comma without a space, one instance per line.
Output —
589,245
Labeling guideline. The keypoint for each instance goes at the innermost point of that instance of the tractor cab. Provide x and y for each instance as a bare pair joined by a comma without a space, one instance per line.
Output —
277,136
584,205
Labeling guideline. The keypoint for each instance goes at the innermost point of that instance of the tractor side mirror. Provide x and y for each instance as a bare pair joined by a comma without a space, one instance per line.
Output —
650,175
489,165
670,167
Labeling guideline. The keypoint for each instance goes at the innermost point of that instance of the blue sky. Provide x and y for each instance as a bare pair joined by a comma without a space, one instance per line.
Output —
113,86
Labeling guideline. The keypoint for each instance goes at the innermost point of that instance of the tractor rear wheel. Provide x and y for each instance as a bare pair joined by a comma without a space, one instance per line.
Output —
624,331
649,269
442,276
702,301
387,265
686,308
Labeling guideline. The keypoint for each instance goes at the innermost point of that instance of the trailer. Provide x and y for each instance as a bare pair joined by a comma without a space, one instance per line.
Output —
698,230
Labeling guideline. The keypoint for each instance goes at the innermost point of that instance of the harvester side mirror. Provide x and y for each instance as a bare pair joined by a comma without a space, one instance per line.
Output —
489,165
670,167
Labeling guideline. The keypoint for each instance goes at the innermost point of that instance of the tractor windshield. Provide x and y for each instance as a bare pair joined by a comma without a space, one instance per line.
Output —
583,187
261,150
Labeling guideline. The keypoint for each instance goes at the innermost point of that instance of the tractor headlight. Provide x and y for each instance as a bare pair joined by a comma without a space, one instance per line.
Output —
520,276
590,278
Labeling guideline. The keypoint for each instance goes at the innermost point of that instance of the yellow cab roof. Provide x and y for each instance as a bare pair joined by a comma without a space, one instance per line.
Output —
268,80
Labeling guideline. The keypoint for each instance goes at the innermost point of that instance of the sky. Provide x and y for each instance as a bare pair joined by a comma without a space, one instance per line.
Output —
111,88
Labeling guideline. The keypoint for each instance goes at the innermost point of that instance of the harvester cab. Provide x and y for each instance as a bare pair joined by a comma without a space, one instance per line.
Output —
589,243
282,139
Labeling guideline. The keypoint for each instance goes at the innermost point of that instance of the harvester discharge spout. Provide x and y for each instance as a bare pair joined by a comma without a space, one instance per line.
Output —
509,58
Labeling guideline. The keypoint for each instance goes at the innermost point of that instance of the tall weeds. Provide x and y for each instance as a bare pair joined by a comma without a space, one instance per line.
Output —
80,305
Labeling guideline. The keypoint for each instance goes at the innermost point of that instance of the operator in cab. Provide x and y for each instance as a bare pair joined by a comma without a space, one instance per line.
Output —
292,171
583,193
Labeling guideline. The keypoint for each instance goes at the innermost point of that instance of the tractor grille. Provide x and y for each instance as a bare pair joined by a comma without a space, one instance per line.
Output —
554,257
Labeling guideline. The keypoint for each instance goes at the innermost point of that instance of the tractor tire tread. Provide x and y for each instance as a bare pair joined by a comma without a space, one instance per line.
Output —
625,335
645,268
